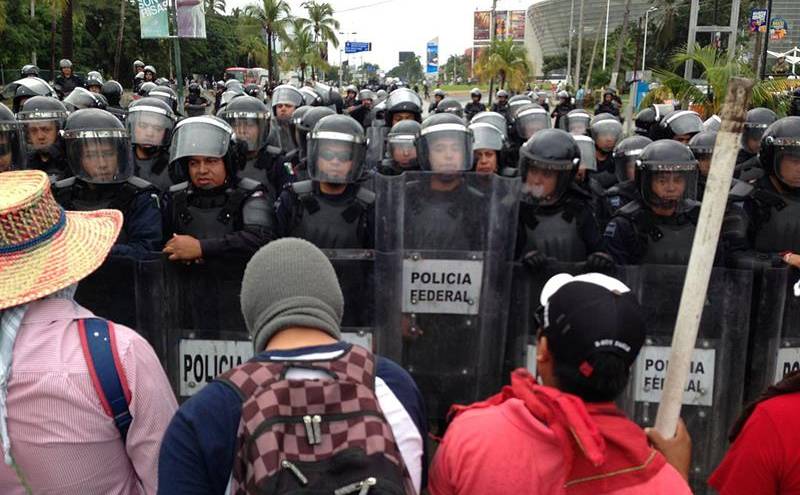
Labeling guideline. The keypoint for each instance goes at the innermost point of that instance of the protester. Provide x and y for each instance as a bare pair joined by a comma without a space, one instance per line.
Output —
567,435
295,319
62,431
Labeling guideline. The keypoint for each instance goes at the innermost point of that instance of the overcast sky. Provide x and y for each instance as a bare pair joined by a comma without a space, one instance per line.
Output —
403,25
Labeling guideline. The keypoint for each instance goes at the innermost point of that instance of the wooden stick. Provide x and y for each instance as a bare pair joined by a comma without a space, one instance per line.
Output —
704,249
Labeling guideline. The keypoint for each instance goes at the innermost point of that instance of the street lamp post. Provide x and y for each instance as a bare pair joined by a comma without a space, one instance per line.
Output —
341,51
644,50
605,36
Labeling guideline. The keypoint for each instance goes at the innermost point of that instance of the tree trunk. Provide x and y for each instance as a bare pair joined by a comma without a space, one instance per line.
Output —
303,73
120,33
620,44
53,41
269,56
594,53
580,47
66,31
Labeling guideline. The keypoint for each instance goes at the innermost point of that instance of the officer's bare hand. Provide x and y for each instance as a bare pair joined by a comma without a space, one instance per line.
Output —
677,450
183,248
792,259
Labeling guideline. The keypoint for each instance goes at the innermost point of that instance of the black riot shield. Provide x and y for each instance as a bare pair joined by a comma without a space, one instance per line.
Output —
774,344
376,144
444,246
355,269
714,390
206,334
130,293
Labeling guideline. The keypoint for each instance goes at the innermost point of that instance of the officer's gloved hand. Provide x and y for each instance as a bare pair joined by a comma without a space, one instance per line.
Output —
601,263
534,260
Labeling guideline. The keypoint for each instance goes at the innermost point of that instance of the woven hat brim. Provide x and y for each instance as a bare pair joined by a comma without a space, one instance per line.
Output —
69,256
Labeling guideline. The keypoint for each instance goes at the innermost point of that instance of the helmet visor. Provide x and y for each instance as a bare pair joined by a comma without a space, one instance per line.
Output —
787,161
402,149
335,157
445,148
685,122
578,125
588,158
149,126
99,156
251,128
203,137
12,156
545,182
606,134
667,185
286,95
531,121
486,136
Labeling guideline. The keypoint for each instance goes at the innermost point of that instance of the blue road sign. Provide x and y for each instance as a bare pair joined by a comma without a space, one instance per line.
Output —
356,46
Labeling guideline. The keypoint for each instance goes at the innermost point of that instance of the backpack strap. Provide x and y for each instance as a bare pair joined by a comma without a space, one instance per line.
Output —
99,345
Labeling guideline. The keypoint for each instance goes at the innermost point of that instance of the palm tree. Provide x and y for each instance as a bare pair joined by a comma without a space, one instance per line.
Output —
120,34
273,16
66,29
300,50
505,60
665,19
215,7
324,26
717,70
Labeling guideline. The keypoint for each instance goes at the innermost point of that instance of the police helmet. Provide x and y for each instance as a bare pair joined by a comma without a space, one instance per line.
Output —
401,145
146,87
112,90
336,150
626,153
250,119
12,154
444,144
780,151
549,153
475,92
530,119
682,124
41,119
167,95
606,131
305,121
493,118
757,121
672,166
98,147
81,98
403,100
150,122
29,70
205,135
576,122
65,63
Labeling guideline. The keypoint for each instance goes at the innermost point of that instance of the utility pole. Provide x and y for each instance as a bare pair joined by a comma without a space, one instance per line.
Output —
763,72
492,38
33,15
569,43
605,36
580,45
620,43
177,47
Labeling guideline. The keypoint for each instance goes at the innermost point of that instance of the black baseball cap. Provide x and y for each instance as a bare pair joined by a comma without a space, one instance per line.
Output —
590,314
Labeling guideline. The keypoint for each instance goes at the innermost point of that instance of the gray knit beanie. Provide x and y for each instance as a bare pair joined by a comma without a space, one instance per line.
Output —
290,283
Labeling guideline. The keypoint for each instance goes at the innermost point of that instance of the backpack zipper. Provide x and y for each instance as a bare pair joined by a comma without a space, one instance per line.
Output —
296,471
310,423
362,487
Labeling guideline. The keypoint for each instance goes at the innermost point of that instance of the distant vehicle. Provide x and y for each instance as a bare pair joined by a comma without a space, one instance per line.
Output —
257,75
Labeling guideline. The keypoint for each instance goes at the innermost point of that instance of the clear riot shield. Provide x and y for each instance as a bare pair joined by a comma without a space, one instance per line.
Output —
130,293
713,395
444,247
376,143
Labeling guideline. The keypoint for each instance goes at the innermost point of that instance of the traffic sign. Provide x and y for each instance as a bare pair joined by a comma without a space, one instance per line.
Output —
357,46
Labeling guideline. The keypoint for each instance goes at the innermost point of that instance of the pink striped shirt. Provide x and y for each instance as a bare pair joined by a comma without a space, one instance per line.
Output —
61,439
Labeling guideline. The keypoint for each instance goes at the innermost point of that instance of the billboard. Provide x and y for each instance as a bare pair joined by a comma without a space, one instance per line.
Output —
406,56
191,19
432,51
482,25
517,25
154,18
500,24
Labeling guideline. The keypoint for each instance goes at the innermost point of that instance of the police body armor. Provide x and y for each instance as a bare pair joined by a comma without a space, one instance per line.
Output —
438,219
211,214
75,194
553,232
261,169
667,240
154,170
119,113
330,224
779,228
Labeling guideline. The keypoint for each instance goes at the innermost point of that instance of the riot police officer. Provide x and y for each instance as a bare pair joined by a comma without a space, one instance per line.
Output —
626,153
331,210
363,111
150,123
497,120
438,95
563,108
402,104
138,75
501,105
350,98
67,80
42,119
12,152
112,91
196,104
149,74
576,122
450,105
774,206
250,120
758,119
219,88
285,99
28,87
659,227
679,125
555,219
303,122
29,70
702,146
606,131
794,104
488,148
214,213
94,82
541,100
99,153
401,148
608,105
529,120
475,106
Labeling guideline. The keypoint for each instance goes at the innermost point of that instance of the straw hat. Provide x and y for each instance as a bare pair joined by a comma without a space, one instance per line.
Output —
43,248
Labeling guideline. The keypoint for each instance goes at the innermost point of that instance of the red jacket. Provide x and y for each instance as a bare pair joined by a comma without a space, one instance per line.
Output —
531,439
